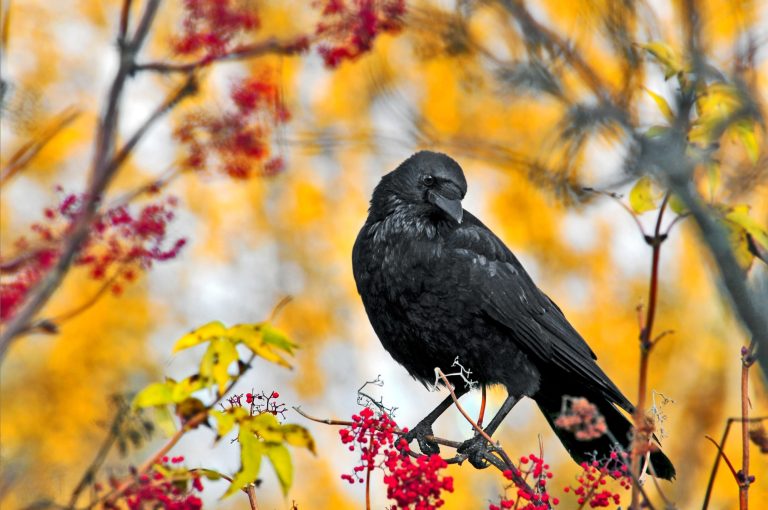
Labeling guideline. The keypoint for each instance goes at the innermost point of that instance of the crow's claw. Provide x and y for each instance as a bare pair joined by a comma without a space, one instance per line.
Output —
476,449
419,433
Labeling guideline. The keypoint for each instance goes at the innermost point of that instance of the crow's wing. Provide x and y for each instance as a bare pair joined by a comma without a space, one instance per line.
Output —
506,293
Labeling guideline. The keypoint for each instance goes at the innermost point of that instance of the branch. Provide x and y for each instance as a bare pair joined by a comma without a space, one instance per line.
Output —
270,46
102,172
720,446
507,462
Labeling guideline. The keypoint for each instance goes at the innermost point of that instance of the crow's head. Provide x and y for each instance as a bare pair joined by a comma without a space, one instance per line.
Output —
428,183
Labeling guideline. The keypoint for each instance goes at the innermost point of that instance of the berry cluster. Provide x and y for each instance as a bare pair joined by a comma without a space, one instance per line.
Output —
592,488
167,485
582,418
259,403
211,26
536,473
415,483
237,141
353,25
121,243
411,483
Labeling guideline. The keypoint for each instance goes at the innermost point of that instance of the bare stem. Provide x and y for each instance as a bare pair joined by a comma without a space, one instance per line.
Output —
642,434
250,489
743,480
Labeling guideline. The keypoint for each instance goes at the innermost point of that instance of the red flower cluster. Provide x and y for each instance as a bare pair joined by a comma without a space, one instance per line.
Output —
411,483
536,473
354,24
239,139
120,244
415,483
165,486
210,26
582,418
592,482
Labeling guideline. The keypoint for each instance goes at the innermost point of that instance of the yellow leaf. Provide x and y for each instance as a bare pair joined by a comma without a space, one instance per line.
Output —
252,336
739,215
251,451
662,104
164,420
666,56
225,420
186,387
266,426
278,338
215,364
156,394
740,244
200,335
281,460
745,130
296,435
643,197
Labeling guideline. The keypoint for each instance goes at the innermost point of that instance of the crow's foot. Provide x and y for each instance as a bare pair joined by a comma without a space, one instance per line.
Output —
476,450
419,433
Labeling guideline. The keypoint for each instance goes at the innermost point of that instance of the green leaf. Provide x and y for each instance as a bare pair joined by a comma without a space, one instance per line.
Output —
666,56
656,131
643,197
662,104
200,335
281,460
296,435
210,474
677,205
164,420
251,451
156,394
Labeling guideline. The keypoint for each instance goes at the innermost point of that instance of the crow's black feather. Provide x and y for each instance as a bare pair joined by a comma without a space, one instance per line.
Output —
438,284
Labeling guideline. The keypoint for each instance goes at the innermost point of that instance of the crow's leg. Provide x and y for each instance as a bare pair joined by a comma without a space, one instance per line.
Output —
477,447
424,427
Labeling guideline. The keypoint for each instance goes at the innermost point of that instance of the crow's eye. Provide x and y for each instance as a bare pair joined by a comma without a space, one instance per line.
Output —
428,180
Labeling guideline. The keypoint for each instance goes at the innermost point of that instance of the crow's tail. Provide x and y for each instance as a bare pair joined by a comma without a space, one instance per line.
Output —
619,430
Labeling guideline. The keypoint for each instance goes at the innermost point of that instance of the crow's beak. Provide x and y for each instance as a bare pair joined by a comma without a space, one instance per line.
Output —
451,206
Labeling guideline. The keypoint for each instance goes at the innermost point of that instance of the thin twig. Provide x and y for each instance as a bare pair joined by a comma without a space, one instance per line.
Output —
29,150
507,462
618,199
744,482
101,455
721,445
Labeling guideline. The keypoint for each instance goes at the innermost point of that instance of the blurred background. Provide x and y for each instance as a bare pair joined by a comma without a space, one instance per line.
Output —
444,82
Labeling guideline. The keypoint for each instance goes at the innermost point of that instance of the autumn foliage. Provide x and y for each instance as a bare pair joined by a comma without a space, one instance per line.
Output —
171,171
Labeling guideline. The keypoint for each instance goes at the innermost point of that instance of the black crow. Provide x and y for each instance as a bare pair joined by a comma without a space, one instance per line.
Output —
437,284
